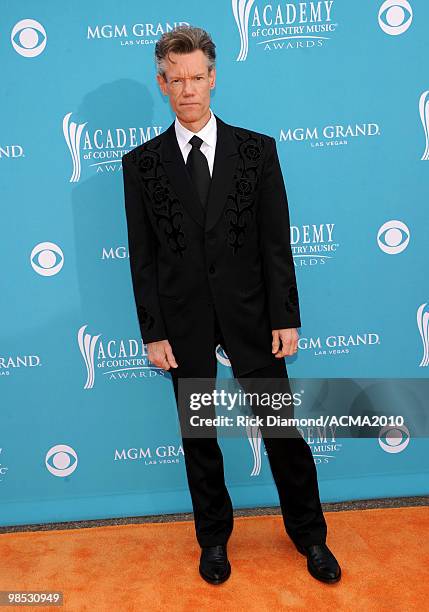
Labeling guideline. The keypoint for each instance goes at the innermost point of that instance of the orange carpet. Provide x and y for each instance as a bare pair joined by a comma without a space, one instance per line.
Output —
384,555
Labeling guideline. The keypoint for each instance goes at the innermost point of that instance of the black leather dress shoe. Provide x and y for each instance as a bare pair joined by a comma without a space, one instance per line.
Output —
214,565
321,563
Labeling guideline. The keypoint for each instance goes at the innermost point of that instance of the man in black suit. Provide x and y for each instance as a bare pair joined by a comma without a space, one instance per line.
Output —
211,262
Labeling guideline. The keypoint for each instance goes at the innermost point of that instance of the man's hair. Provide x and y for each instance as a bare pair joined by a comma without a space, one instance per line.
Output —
184,39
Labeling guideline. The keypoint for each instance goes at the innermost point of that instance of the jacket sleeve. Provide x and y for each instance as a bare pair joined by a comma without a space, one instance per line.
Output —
142,251
278,265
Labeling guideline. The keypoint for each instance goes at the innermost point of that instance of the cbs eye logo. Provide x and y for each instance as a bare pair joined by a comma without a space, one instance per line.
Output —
395,16
61,460
394,439
47,258
28,38
393,237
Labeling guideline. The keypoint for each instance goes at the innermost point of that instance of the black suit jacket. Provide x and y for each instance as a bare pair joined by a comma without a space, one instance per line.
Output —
234,255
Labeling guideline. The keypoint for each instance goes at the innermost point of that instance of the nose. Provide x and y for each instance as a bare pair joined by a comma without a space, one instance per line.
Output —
187,88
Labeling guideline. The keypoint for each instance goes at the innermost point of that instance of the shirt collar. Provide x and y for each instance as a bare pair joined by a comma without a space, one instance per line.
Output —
207,133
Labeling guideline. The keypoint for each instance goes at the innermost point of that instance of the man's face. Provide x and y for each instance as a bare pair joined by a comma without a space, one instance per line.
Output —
188,83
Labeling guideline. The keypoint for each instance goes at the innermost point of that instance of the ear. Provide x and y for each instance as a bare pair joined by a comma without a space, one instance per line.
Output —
212,78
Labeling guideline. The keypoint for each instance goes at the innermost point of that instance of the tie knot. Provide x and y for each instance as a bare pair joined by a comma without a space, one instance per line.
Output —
196,141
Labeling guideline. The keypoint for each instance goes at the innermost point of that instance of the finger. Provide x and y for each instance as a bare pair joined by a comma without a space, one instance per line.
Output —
281,353
286,346
170,357
276,342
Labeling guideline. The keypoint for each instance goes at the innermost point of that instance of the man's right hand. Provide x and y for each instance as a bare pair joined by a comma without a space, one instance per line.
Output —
160,354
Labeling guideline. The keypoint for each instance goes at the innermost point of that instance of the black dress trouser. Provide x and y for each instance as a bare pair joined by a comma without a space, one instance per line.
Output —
292,467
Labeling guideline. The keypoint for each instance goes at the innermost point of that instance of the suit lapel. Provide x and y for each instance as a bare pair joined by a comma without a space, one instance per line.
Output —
225,162
174,164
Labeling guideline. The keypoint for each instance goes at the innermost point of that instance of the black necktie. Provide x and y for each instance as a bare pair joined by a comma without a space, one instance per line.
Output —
198,169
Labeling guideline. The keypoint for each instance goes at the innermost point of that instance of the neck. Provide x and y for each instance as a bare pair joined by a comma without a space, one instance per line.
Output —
196,126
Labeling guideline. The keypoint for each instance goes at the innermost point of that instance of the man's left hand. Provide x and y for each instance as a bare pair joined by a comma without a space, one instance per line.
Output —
288,339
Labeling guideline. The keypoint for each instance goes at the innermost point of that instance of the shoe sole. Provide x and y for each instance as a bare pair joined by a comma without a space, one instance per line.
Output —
219,580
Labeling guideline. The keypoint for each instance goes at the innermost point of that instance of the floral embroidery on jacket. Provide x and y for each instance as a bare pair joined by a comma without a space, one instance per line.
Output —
240,202
166,207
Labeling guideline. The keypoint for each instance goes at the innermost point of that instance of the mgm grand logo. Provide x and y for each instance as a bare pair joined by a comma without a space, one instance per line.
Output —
329,135
338,345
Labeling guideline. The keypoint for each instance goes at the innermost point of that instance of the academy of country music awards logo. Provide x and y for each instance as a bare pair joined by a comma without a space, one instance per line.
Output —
116,359
424,117
101,149
313,244
423,327
283,26
323,444
296,25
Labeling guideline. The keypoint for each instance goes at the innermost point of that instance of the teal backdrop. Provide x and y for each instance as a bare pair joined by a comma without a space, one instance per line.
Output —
88,427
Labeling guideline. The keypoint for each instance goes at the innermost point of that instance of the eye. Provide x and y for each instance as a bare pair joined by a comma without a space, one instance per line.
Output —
47,258
395,16
28,38
61,460
393,237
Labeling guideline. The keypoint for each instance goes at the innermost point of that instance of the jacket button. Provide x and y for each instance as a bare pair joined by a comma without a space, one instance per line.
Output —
211,269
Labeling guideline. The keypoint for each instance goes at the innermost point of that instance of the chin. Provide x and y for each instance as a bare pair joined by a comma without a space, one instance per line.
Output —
192,113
